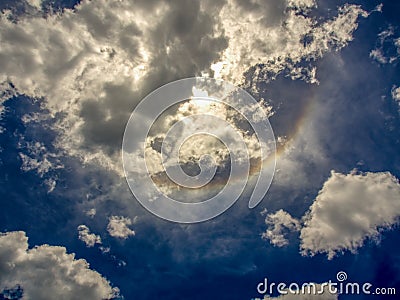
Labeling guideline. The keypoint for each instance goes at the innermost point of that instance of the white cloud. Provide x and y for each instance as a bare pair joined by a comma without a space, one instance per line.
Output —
379,7
348,209
62,56
280,45
48,272
278,224
29,164
40,160
378,56
91,212
95,62
396,94
303,5
193,148
6,92
118,227
90,239
396,91
381,53
35,3
397,44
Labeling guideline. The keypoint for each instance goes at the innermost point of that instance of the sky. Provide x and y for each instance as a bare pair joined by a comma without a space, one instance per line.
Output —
324,74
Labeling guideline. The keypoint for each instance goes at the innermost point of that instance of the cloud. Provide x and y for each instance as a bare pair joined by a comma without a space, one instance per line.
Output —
91,212
349,209
90,239
125,41
219,144
396,95
387,49
35,156
282,46
92,64
35,3
118,227
48,272
278,224
39,159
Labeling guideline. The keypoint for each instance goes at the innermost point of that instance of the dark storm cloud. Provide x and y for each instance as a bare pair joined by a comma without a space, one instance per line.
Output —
187,32
105,118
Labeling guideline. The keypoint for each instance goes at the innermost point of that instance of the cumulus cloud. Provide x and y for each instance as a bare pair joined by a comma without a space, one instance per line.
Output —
125,41
273,48
93,64
48,272
118,227
90,239
349,209
191,150
278,224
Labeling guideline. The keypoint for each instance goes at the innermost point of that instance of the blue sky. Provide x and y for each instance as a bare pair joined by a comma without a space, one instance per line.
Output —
69,79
